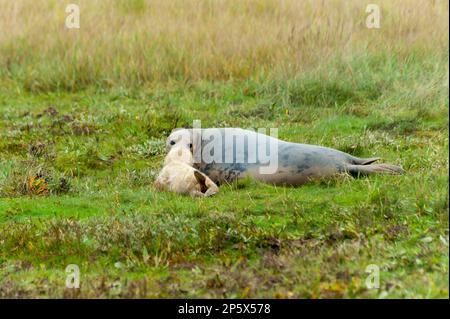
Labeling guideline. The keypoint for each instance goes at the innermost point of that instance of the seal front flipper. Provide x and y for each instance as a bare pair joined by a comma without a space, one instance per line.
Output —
201,179
208,187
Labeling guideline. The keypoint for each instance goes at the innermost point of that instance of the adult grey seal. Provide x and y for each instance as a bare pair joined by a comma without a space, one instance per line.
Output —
225,154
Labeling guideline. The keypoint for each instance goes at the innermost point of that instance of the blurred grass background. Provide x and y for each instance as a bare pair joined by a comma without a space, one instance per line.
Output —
137,42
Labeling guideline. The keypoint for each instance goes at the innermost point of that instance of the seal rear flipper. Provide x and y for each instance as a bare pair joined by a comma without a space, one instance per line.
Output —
365,161
364,170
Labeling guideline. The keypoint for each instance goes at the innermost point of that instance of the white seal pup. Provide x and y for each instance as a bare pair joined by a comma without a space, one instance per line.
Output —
180,177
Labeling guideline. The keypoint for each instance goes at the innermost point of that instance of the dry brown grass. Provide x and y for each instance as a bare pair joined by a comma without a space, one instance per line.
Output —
137,41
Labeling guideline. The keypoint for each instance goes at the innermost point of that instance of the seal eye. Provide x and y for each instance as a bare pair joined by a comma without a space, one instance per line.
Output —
172,143
190,145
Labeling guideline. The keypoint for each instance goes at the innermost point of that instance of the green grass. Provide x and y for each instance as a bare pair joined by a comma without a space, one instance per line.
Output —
76,172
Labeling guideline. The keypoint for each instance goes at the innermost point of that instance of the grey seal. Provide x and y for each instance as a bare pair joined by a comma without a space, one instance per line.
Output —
227,154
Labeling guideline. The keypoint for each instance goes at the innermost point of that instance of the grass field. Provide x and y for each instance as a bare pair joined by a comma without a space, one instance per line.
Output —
84,114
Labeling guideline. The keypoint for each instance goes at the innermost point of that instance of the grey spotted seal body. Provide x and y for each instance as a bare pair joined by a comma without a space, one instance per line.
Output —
296,164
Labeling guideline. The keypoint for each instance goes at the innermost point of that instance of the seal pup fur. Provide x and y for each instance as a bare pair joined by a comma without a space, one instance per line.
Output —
297,163
180,177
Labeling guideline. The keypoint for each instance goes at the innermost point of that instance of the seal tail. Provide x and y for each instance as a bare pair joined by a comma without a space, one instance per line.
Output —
369,169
